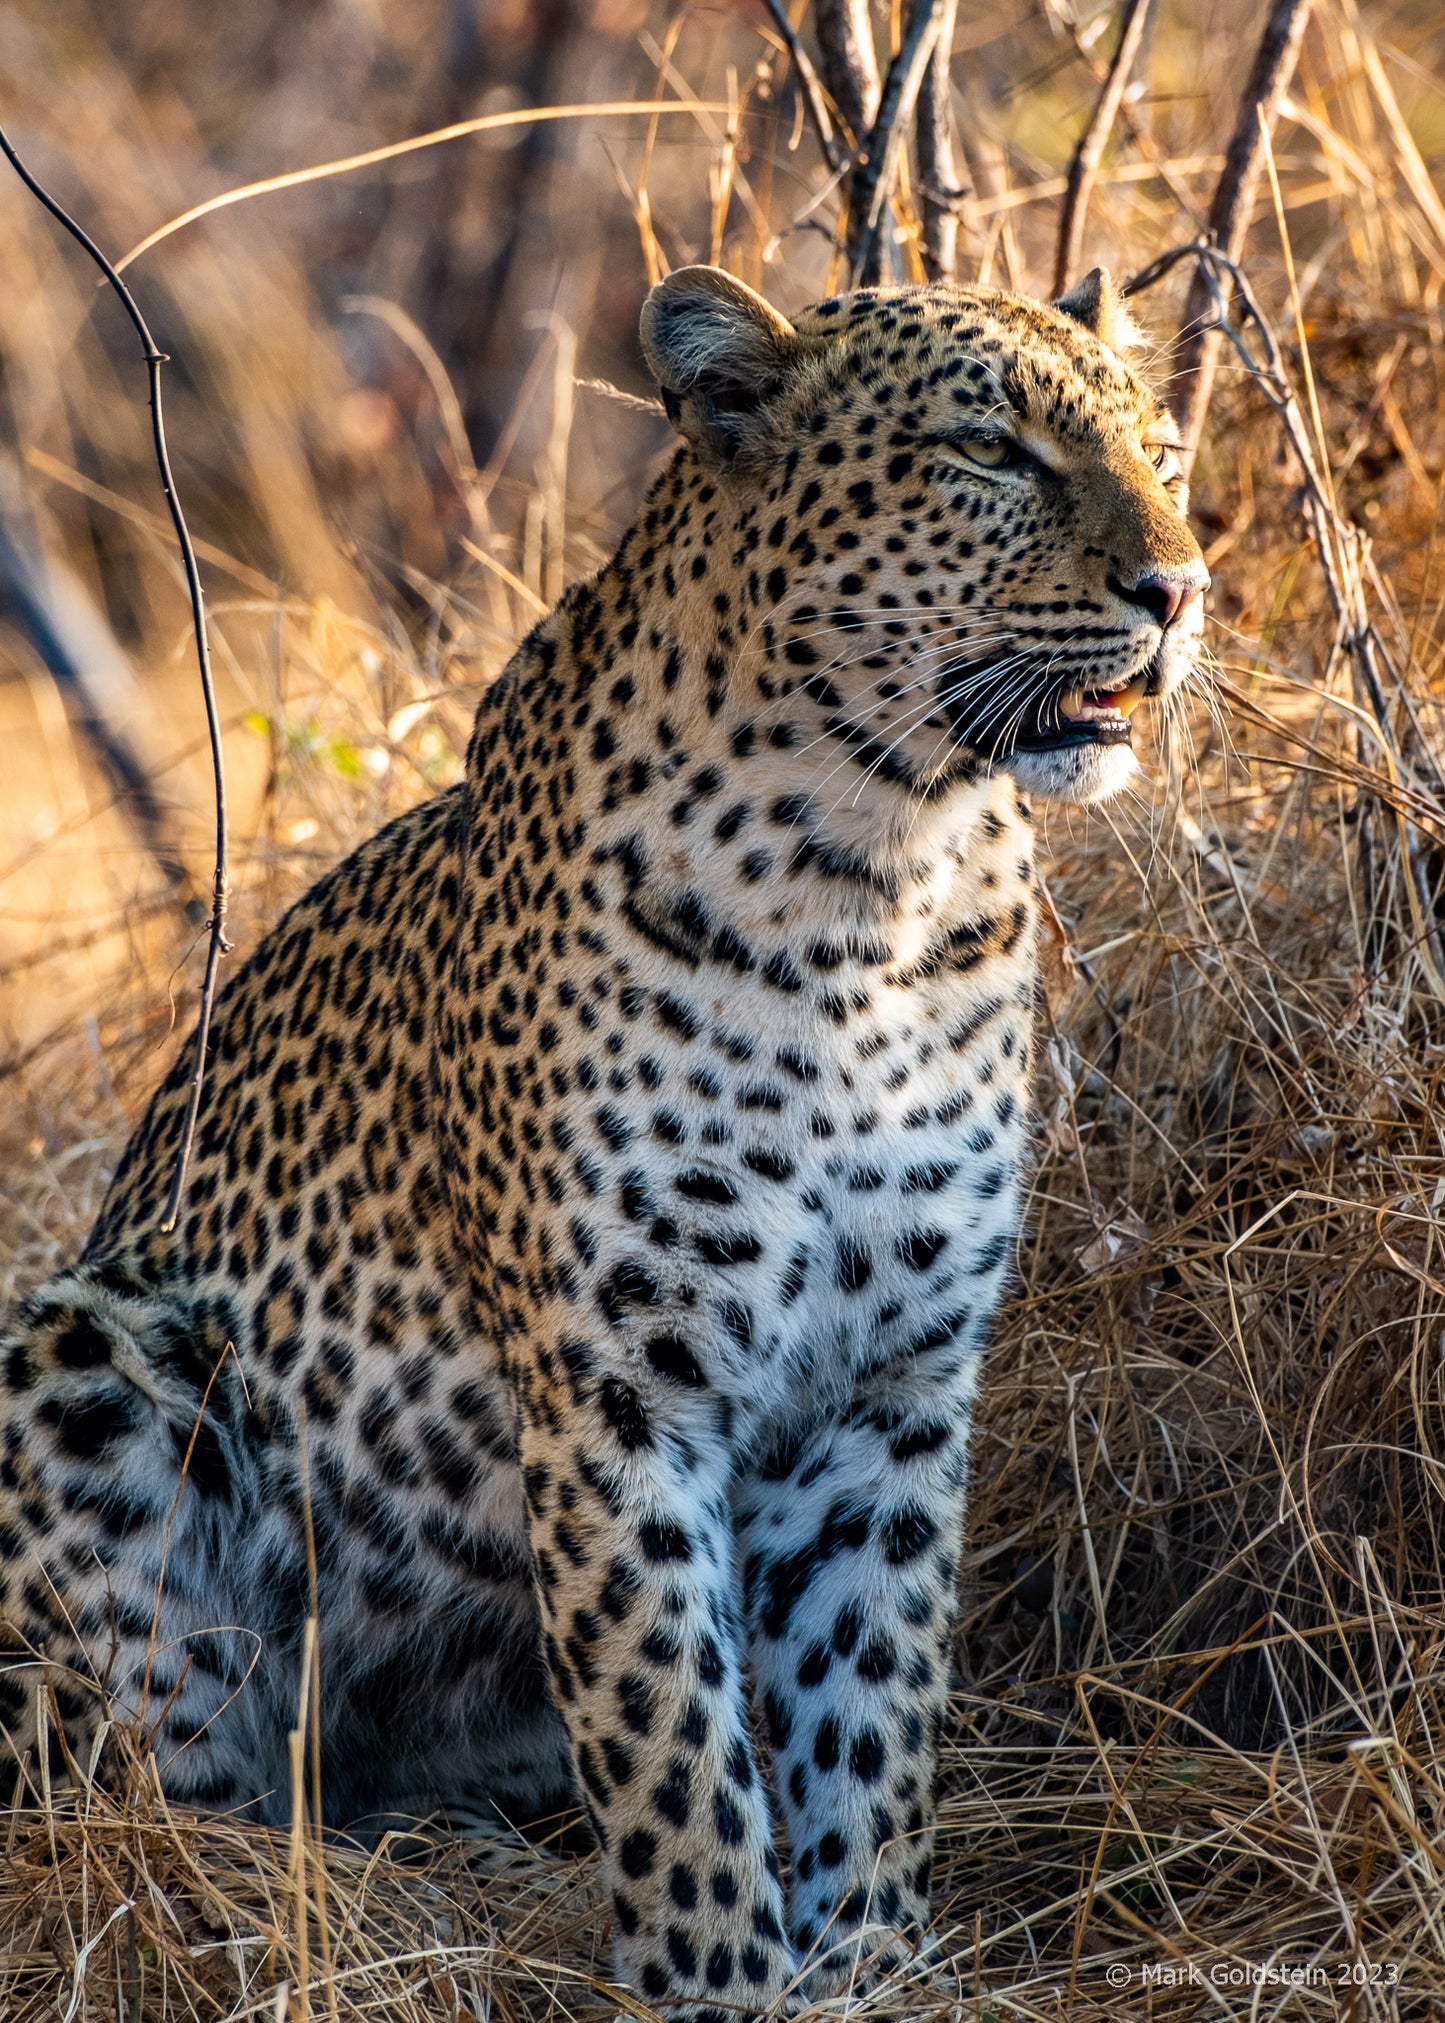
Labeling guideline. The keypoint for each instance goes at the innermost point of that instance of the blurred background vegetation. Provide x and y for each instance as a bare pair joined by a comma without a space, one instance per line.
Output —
406,407
378,374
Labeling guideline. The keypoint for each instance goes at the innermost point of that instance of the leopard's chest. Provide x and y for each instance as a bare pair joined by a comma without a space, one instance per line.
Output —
847,1193
787,1177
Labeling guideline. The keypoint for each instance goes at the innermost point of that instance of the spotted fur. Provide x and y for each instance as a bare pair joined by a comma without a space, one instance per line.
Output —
606,1176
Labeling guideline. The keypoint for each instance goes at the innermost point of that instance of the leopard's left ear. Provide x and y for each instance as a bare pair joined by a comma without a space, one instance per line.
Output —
1095,302
718,351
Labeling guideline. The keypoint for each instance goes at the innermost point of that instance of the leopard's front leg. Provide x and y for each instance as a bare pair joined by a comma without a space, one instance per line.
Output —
627,1475
851,1537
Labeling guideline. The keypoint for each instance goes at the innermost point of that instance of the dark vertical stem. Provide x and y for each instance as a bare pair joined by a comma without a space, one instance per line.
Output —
940,188
849,63
834,153
1197,347
1095,138
876,174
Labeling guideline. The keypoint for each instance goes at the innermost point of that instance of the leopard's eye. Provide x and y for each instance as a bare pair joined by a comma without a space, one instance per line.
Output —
1165,459
993,453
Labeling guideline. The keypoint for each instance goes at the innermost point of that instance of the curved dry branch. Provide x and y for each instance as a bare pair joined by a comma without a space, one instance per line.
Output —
1342,553
491,122
1197,350
217,945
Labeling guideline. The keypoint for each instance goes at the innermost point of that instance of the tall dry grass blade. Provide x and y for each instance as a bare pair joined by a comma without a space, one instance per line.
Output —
491,122
1412,167
1245,1056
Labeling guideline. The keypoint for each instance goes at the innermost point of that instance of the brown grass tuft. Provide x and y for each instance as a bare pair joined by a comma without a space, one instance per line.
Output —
1201,1714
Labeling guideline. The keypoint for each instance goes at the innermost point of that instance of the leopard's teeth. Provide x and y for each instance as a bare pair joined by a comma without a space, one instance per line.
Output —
1082,705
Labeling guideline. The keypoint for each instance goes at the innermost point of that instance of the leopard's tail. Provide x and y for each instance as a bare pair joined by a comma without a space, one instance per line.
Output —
125,1449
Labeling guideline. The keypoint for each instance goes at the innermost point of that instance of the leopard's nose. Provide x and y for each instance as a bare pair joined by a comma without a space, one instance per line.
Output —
1163,593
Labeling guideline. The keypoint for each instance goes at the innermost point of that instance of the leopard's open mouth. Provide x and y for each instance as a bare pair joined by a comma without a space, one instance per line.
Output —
1088,717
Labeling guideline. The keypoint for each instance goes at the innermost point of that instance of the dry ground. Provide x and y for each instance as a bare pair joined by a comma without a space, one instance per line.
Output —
1197,1766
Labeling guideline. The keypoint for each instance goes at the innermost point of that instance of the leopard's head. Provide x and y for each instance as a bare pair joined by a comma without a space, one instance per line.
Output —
957,517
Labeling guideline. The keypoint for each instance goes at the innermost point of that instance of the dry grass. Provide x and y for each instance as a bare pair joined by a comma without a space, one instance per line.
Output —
1201,1717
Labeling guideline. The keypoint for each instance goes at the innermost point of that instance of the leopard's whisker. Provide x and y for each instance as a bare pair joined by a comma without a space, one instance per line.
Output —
919,711
920,714
987,679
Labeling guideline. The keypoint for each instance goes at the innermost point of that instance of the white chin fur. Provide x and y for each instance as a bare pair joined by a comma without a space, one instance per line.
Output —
1080,774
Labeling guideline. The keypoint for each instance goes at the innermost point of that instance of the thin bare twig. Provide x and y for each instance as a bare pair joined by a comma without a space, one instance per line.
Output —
217,945
1092,142
1231,209
834,153
640,403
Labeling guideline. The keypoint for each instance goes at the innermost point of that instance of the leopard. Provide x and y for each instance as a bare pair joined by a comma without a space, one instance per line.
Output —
605,1178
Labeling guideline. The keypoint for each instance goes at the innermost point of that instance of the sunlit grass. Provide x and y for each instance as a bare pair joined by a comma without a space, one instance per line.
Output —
1201,1696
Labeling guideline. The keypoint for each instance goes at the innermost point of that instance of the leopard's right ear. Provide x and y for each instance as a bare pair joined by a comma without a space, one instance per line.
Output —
718,352
1095,302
